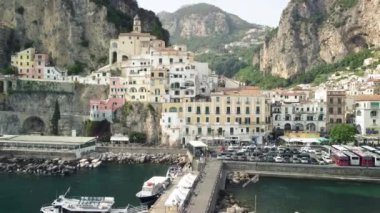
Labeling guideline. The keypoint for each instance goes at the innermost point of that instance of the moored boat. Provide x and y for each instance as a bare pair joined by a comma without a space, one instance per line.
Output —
152,189
88,204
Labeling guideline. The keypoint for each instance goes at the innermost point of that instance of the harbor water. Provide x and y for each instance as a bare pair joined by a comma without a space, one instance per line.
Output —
274,195
27,193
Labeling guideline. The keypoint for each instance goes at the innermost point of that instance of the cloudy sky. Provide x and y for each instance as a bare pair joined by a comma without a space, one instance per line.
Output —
266,12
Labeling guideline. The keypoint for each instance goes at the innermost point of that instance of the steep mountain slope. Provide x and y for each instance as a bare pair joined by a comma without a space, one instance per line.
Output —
70,30
318,31
203,26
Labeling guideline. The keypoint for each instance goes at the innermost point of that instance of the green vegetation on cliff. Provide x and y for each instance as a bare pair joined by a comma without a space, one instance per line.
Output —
99,129
316,75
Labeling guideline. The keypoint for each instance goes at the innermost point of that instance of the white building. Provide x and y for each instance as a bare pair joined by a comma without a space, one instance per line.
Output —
367,116
303,116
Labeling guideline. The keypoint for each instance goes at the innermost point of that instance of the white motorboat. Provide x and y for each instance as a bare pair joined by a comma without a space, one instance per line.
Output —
88,204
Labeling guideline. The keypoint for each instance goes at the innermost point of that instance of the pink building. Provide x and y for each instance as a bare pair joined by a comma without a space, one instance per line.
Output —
105,109
118,87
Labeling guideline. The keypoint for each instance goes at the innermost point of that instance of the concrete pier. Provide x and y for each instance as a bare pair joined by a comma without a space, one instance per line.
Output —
206,191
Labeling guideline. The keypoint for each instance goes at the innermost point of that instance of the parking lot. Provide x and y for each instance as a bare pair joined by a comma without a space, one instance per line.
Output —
279,154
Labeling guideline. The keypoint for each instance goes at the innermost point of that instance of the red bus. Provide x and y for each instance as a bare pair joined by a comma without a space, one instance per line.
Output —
366,158
339,158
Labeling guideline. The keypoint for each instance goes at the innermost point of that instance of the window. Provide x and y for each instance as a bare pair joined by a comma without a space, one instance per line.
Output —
188,120
238,120
228,100
228,119
321,109
373,113
258,120
309,117
331,110
247,120
257,110
238,110
228,111
247,110
169,120
217,119
374,121
207,110
198,120
217,110
331,120
339,100
199,130
207,119
171,60
331,100
198,110
187,131
188,109
339,111
209,131
257,129
160,60
217,99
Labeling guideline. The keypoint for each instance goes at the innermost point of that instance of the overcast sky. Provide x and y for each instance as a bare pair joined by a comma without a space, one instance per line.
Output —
266,12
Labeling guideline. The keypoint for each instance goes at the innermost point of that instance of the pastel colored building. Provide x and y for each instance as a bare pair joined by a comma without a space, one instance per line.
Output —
229,115
132,44
105,109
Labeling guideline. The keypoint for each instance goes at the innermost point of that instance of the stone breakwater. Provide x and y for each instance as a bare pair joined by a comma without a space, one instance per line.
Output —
37,166
63,167
133,158
227,203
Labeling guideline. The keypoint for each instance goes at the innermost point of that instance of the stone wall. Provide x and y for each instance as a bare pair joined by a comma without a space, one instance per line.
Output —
299,170
37,99
140,149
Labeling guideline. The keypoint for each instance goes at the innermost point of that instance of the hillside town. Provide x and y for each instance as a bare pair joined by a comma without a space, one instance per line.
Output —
197,106
189,107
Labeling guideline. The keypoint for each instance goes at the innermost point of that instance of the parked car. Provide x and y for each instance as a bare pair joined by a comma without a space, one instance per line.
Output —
304,160
296,160
278,159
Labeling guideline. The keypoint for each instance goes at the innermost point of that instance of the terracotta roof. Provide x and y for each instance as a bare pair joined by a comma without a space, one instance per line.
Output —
366,98
245,91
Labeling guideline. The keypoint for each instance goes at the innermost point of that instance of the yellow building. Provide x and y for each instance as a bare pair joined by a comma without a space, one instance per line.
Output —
132,44
240,114
24,59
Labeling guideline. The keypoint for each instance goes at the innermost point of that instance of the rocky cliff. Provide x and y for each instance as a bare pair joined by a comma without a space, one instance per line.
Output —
71,30
319,31
203,26
139,117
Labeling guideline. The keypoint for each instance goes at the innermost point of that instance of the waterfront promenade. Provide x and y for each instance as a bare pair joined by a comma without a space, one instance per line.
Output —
206,191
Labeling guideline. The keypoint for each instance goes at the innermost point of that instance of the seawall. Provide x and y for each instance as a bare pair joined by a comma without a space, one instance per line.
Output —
140,150
362,174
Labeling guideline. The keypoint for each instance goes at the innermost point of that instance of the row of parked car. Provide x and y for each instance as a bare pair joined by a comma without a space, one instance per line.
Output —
278,154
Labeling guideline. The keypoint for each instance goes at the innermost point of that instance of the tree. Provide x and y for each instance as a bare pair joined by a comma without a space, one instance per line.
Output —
137,137
55,119
342,133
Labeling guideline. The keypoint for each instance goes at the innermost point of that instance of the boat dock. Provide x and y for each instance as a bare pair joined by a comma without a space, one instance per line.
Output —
207,190
159,205
203,197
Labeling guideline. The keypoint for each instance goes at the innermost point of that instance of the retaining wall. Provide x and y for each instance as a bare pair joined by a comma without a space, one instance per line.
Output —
140,149
304,170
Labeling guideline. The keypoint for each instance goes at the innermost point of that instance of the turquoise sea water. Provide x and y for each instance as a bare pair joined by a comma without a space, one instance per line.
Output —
26,193
277,195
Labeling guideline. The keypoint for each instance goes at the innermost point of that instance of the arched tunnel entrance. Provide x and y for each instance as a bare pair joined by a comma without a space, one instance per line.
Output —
33,124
